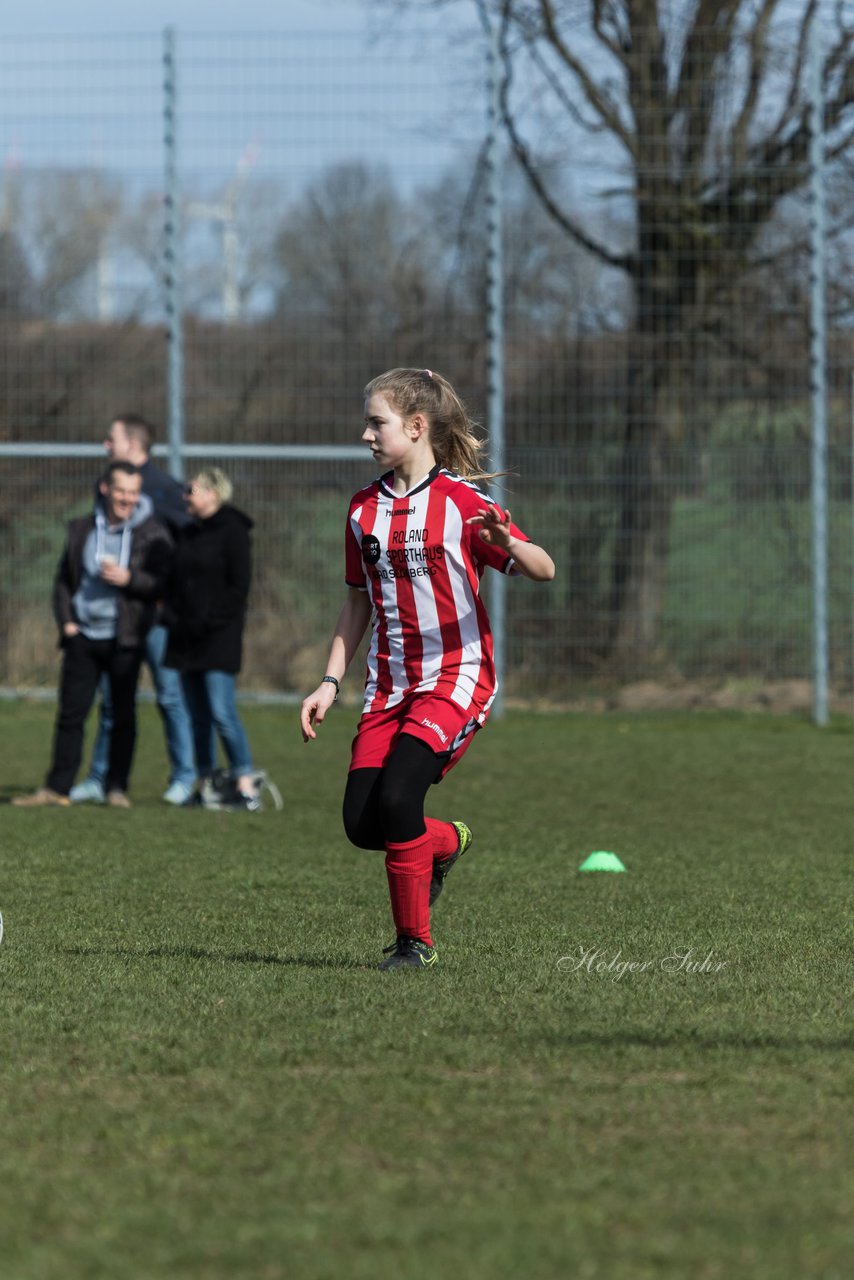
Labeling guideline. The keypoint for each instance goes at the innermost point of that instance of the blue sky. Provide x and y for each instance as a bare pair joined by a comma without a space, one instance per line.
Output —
103,17
281,91
62,100
347,54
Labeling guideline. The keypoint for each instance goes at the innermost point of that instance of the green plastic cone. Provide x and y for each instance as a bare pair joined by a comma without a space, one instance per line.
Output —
601,861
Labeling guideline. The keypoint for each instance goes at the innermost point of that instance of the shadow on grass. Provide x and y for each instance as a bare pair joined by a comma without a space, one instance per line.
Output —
689,1039
200,953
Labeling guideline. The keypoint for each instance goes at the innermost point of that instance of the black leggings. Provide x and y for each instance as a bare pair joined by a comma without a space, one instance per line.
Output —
387,804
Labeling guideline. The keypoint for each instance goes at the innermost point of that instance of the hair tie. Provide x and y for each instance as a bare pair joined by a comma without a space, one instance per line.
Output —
429,372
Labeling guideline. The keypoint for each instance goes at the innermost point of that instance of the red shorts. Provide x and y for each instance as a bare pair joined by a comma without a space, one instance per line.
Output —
442,724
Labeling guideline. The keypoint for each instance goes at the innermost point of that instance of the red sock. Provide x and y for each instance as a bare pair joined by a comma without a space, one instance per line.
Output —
409,868
444,836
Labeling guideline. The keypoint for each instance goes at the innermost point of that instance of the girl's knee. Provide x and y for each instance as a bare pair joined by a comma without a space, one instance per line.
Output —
361,835
397,806
360,832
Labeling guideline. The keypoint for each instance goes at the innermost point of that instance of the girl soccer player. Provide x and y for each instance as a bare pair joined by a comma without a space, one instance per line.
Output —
417,542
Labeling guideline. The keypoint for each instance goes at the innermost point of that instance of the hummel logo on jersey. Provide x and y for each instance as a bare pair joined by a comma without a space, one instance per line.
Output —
443,737
404,511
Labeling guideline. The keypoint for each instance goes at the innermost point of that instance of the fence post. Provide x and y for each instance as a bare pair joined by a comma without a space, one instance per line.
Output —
818,376
495,333
172,259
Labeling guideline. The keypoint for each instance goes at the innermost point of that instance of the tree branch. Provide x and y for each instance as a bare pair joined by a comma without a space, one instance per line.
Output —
605,13
597,100
523,155
791,101
758,55
571,109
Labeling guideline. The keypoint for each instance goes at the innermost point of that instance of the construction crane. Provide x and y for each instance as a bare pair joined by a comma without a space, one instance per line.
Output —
223,213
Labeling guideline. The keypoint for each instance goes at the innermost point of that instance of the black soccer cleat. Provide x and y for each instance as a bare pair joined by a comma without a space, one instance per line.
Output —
441,869
409,952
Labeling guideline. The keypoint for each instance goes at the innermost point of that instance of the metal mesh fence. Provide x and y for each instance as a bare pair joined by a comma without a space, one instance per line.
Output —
736,605
332,215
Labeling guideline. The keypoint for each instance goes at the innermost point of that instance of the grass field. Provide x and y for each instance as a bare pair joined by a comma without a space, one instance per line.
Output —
203,1075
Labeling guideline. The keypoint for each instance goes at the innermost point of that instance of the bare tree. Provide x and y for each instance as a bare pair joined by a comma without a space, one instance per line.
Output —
16,282
70,215
347,255
700,107
552,287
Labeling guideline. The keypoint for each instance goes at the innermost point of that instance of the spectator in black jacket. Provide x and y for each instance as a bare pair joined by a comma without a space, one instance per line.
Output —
112,571
130,439
205,613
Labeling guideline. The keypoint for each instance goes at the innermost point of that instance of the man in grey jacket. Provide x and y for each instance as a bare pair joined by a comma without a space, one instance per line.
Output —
130,439
110,576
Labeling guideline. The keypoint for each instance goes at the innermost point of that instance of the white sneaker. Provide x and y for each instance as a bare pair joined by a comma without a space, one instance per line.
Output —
177,793
89,791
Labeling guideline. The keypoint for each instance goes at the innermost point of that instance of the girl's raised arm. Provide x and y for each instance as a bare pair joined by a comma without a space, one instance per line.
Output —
531,561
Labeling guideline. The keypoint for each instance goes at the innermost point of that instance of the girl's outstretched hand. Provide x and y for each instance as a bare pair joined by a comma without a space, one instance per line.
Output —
314,708
528,559
494,526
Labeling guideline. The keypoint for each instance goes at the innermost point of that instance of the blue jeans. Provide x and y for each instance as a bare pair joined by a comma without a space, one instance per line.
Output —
213,709
173,712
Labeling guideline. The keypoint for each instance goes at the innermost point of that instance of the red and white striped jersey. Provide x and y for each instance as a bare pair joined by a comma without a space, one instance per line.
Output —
422,565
